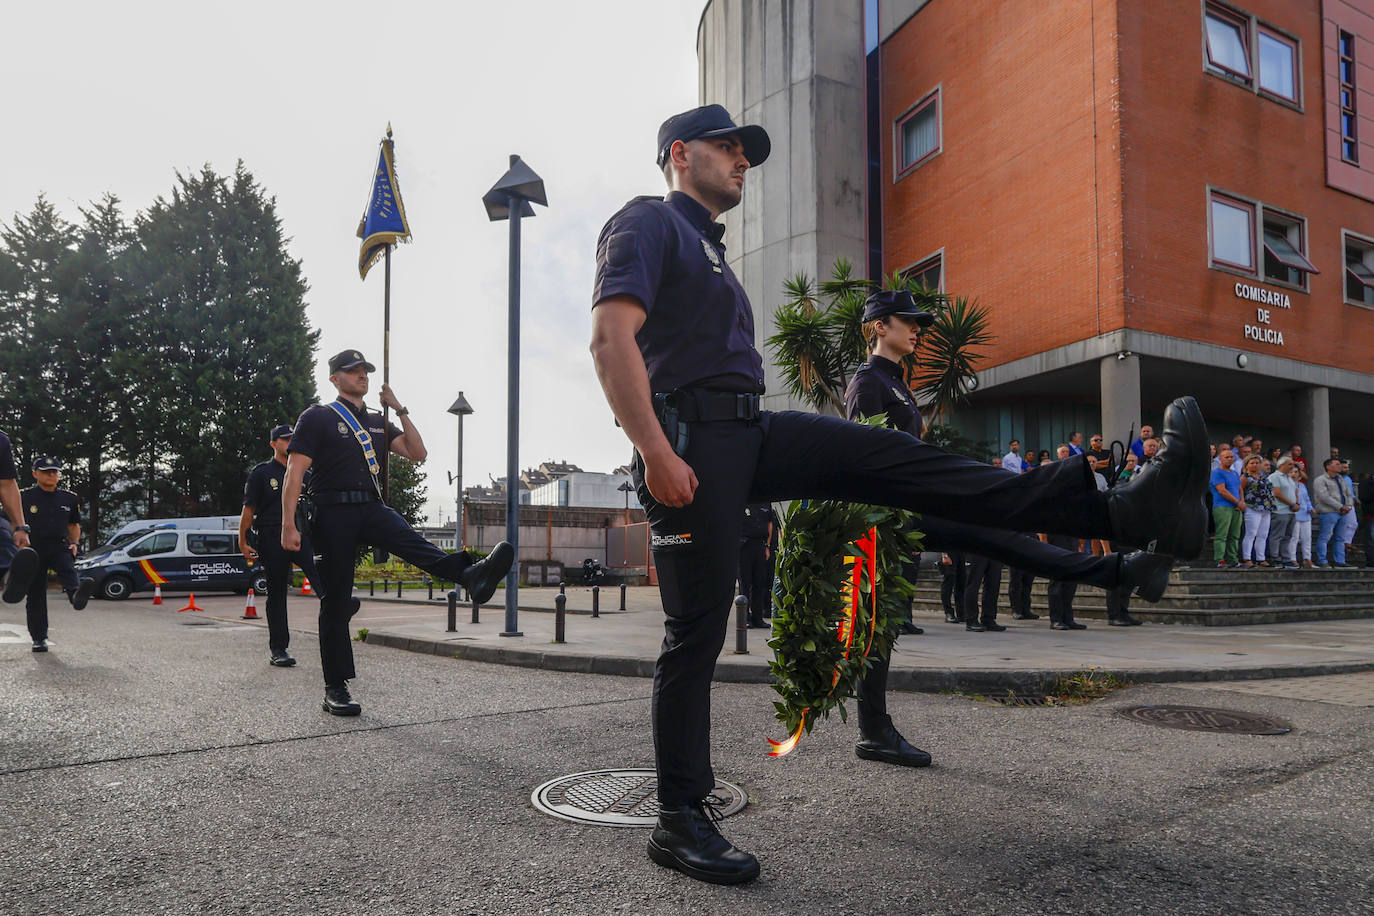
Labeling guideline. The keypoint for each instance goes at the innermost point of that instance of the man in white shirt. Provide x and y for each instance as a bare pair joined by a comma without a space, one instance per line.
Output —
1012,459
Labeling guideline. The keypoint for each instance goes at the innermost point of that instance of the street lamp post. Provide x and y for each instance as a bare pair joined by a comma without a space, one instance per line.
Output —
460,408
626,488
510,199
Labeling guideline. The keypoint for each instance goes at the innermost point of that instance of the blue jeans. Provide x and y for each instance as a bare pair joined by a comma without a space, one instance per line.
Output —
1327,522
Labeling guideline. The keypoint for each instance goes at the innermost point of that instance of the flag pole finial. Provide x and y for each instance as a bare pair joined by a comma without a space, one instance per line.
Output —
388,130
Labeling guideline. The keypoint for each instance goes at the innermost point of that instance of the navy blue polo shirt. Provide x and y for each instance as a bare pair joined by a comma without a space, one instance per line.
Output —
336,458
878,386
666,254
7,471
262,492
49,514
757,517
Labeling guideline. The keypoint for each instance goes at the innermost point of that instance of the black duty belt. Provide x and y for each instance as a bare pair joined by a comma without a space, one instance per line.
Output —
344,497
701,405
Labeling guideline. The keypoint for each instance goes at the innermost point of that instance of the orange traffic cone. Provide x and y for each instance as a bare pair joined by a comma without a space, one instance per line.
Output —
305,587
251,612
157,594
192,606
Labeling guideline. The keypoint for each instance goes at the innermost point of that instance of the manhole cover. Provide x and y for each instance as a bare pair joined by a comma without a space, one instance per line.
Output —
1206,719
617,798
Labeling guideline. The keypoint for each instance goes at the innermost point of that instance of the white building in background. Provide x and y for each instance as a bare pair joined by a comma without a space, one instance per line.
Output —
584,488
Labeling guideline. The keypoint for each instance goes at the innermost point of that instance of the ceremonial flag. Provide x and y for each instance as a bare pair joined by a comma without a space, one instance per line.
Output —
384,220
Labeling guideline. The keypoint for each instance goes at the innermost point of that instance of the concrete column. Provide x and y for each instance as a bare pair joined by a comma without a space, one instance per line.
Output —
1120,395
1312,425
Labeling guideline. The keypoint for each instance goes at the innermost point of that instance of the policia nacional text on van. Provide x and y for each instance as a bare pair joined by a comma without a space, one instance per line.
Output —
345,446
673,343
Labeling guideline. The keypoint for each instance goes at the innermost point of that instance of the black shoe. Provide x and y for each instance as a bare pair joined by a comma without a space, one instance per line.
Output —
1056,625
1163,508
759,625
975,627
83,593
885,744
993,626
281,660
687,839
1148,572
1071,625
40,645
23,568
951,618
1026,616
337,702
910,629
481,578
1125,620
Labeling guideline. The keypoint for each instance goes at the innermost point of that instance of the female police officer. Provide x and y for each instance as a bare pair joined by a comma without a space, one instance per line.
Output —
673,343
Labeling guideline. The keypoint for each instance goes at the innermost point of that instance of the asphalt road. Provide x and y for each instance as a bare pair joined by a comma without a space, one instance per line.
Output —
149,765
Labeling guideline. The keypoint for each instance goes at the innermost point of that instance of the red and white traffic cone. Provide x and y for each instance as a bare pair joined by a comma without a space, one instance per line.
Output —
157,594
192,606
251,611
305,587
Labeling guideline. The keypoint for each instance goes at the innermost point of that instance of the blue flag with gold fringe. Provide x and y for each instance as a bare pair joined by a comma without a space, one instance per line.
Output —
384,220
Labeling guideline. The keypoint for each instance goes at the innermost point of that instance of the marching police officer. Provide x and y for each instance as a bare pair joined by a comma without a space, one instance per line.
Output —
18,561
260,539
346,445
755,560
673,343
55,523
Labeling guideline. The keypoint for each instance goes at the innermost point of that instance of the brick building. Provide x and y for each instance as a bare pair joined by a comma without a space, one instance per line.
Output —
1151,199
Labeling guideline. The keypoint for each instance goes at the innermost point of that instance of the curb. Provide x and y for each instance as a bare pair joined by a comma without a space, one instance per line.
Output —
915,680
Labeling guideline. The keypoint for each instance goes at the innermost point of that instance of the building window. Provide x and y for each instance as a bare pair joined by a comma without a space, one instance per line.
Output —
918,133
1227,48
1285,246
1233,233
929,273
1359,270
1278,65
1350,145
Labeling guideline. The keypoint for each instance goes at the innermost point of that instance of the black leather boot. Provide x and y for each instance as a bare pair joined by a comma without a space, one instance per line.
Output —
1148,572
337,702
1164,510
884,743
688,840
82,596
481,578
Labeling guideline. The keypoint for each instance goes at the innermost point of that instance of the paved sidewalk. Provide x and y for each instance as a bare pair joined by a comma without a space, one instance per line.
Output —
946,657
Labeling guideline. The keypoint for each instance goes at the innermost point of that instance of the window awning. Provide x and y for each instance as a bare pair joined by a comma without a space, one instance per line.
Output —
1361,272
1284,252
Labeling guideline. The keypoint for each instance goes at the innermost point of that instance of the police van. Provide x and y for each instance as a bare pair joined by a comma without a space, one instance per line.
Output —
177,559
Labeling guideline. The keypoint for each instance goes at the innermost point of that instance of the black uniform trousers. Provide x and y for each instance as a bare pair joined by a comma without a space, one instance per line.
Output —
277,561
1061,591
337,532
1118,599
790,455
7,548
985,576
753,577
954,576
57,556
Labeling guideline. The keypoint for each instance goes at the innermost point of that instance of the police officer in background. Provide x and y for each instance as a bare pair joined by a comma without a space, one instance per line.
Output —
55,522
346,445
18,561
754,560
673,344
260,540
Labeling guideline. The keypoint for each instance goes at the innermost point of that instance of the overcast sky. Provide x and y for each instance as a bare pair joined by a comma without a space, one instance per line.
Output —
118,97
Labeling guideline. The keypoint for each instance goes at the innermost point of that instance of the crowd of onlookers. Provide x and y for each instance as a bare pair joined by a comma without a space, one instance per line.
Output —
1276,509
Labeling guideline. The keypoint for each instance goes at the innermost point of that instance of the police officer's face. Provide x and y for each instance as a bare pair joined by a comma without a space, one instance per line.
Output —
352,382
280,445
715,171
47,480
900,334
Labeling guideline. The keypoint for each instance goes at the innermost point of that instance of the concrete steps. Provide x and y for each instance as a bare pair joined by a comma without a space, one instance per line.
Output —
1215,597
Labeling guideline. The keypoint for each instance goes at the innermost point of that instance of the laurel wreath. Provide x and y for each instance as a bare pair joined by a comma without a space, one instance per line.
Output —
816,665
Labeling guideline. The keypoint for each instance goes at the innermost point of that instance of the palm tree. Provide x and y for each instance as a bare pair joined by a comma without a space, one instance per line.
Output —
818,345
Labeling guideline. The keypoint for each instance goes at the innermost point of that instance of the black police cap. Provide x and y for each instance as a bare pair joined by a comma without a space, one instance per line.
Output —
348,359
281,432
712,121
47,463
897,302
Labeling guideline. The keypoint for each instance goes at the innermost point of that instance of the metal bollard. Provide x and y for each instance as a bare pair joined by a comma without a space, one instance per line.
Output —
430,583
741,625
475,606
622,596
371,588
561,587
560,613
398,588
596,601
453,611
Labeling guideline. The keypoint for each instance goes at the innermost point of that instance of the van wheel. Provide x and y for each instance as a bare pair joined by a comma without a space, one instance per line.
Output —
259,583
116,588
